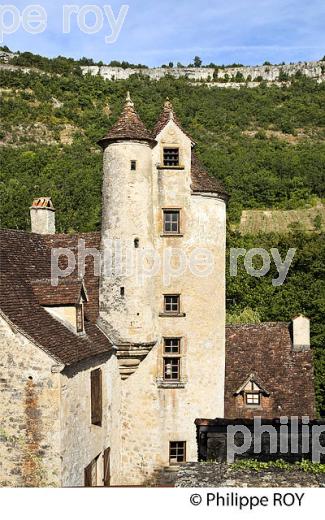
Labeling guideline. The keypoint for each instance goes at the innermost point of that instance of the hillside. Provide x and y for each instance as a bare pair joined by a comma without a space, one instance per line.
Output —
266,144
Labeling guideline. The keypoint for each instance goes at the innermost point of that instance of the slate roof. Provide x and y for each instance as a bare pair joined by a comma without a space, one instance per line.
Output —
128,126
25,258
265,349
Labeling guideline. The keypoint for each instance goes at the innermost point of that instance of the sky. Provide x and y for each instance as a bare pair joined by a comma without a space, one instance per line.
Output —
156,32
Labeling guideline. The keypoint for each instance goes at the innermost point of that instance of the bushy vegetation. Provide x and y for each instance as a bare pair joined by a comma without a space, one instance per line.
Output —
230,129
305,465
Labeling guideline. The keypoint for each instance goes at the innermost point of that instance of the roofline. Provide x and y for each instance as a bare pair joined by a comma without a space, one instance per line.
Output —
32,340
108,140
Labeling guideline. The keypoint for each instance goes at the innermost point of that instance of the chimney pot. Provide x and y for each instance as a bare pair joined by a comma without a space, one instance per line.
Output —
42,216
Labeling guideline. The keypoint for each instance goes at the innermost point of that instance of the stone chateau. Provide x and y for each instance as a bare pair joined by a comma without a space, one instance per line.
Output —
103,372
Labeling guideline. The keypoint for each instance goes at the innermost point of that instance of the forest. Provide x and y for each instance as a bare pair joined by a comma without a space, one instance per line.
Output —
266,144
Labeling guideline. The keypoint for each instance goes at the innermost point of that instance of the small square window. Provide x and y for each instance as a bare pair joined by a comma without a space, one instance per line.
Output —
171,156
172,345
177,452
133,165
171,221
253,398
172,303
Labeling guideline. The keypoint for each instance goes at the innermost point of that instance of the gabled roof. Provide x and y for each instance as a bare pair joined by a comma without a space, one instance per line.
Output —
26,258
128,126
166,115
252,378
69,291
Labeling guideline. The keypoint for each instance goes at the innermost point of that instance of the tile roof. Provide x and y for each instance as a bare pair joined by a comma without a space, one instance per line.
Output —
265,349
202,181
128,126
26,258
68,291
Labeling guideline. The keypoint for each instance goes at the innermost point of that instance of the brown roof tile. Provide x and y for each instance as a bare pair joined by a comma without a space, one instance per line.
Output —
25,258
202,181
128,126
265,350
68,291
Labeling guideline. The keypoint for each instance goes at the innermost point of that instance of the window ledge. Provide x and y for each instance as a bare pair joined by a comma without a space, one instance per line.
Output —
172,235
162,167
171,315
162,383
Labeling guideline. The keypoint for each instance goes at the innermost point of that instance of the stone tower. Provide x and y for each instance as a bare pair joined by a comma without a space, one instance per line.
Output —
169,325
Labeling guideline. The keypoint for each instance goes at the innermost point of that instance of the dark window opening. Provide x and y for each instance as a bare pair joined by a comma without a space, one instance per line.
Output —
136,243
172,303
79,318
171,221
133,165
171,156
96,397
172,345
122,291
252,398
177,451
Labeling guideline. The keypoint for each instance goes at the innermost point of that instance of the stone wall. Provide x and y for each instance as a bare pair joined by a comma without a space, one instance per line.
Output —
81,441
46,435
156,411
29,410
215,475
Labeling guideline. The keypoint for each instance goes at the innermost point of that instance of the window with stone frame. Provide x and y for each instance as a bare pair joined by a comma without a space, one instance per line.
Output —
172,221
177,452
171,156
172,304
172,359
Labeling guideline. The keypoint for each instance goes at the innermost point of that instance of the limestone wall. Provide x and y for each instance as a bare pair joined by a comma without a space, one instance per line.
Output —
82,441
312,69
29,410
154,411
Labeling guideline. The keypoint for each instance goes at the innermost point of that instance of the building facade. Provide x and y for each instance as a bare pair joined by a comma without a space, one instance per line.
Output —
104,370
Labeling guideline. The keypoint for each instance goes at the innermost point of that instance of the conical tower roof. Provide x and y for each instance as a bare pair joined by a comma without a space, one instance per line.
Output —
128,126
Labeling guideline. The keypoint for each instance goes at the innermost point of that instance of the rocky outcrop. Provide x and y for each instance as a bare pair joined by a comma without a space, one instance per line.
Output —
312,69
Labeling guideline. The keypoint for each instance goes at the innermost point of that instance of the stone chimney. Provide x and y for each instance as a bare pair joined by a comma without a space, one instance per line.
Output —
301,333
42,216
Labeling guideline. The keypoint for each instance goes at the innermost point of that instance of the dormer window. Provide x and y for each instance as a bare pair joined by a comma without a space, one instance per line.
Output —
252,391
171,156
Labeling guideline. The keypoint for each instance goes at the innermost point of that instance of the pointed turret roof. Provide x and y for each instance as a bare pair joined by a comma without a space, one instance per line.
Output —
128,126
166,115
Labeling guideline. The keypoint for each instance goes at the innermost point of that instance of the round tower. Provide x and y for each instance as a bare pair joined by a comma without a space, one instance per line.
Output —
126,287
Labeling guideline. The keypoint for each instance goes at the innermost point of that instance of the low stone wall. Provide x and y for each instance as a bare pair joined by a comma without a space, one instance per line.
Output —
205,474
